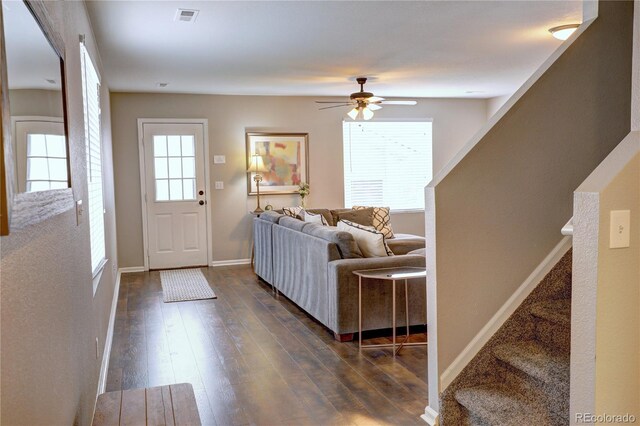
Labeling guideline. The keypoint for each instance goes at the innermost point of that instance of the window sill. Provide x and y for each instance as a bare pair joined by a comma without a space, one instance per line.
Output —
407,211
97,275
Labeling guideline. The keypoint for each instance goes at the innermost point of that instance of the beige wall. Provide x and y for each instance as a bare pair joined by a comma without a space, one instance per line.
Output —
49,314
45,103
454,122
605,372
499,212
618,294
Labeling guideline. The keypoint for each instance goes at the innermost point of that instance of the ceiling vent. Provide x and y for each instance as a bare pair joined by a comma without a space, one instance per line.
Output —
186,15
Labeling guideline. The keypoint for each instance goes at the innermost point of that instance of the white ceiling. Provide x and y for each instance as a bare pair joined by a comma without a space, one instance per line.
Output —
412,49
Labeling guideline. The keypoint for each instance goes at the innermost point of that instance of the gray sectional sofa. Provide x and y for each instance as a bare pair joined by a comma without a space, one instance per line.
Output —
313,266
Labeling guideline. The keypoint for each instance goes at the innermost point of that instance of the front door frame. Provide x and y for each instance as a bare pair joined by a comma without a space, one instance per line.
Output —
143,179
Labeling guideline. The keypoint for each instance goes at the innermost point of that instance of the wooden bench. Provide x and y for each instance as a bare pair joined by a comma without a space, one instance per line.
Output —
171,405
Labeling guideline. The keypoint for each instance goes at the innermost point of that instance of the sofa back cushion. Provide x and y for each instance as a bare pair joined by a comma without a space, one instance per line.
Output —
271,216
343,240
360,216
292,223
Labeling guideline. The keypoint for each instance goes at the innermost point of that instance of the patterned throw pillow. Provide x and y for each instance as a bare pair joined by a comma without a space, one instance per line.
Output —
293,212
314,218
370,241
381,220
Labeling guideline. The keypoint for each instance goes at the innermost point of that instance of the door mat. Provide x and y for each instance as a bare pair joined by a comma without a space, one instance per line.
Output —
185,284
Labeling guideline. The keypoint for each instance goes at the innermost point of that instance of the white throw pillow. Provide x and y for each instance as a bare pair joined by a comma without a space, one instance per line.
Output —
314,218
369,239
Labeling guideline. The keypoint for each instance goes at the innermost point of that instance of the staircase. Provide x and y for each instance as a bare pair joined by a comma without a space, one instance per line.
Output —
521,377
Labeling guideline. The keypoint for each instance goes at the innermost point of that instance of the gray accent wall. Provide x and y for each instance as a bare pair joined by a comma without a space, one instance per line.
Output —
50,316
499,211
454,122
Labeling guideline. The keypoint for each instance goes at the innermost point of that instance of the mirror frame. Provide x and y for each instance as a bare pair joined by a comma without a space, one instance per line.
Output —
18,210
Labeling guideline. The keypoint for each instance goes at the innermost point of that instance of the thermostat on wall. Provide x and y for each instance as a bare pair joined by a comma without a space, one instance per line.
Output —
219,159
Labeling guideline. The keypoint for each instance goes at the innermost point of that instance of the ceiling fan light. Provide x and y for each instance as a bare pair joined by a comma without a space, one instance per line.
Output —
374,107
563,32
353,113
367,114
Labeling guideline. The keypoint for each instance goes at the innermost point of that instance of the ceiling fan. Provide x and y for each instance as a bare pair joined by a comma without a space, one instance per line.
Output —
363,103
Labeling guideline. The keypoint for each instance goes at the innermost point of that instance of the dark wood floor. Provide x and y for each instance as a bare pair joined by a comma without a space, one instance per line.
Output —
254,358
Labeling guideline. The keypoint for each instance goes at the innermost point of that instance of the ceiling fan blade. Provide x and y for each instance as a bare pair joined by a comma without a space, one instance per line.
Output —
398,102
330,102
375,99
374,107
335,106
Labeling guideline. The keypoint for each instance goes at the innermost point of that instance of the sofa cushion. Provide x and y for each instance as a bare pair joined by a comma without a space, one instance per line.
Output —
315,218
292,223
335,213
404,243
271,216
369,239
326,214
361,216
381,219
419,252
343,240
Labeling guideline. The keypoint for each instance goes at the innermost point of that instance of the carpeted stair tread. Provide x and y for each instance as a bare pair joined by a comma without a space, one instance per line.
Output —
538,361
556,311
499,405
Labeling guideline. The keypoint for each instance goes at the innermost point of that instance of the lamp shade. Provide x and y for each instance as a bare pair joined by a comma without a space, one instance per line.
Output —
257,164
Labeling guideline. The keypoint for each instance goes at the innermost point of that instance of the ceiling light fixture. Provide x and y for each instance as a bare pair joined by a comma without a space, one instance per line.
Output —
361,110
563,31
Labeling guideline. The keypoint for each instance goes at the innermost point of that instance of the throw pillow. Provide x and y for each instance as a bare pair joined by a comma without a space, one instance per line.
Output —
314,218
293,211
381,219
370,241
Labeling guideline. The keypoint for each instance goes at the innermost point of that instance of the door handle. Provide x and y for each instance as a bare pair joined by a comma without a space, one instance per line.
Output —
201,202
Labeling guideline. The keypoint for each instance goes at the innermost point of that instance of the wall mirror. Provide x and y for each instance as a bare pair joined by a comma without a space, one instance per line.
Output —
34,126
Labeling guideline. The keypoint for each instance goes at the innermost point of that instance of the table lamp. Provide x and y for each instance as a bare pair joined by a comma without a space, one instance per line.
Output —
257,166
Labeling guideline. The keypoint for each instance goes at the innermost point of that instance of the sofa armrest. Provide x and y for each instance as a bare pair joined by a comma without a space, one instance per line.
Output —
339,268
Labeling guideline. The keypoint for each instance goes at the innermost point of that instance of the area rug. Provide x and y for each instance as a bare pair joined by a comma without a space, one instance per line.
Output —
185,284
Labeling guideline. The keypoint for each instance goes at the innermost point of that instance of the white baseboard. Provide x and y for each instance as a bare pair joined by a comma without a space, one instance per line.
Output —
504,313
231,262
430,416
130,269
106,353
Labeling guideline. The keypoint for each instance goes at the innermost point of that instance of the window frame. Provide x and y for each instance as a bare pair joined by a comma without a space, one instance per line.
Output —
85,58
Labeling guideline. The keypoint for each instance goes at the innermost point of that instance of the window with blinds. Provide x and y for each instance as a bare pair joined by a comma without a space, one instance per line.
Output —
95,205
387,163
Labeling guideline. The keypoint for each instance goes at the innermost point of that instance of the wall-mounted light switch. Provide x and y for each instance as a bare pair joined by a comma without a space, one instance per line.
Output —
219,159
219,184
619,224
79,211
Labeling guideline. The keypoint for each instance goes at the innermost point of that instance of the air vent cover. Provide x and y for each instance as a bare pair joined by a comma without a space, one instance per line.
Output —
186,15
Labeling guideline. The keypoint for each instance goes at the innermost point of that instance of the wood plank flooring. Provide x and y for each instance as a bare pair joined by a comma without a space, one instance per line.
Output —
257,359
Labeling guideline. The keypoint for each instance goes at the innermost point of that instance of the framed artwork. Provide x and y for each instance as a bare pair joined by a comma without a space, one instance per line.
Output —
286,160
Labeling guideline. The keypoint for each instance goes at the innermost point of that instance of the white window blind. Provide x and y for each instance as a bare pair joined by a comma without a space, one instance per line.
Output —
95,207
387,163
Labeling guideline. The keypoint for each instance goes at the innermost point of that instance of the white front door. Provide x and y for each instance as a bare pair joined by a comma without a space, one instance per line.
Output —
174,162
